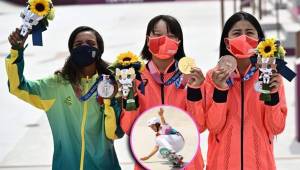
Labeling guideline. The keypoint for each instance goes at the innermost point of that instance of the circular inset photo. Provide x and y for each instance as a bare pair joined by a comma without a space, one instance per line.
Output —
164,137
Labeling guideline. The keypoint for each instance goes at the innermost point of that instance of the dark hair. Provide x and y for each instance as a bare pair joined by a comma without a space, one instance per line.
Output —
70,71
230,23
173,27
157,125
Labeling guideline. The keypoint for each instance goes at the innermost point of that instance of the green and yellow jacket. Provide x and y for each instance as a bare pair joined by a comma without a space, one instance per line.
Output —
83,132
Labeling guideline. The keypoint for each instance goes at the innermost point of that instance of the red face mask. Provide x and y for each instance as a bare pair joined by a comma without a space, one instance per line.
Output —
163,47
242,46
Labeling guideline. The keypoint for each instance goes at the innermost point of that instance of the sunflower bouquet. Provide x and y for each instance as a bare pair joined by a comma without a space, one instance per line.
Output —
270,60
126,69
35,19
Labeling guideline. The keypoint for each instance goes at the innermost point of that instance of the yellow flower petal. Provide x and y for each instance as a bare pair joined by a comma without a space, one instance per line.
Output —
127,58
39,7
267,48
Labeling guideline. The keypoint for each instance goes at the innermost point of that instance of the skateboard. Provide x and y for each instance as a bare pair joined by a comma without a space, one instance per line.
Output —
173,158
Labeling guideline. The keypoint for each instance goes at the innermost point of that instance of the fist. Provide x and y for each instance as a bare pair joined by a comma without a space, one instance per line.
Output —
161,112
219,77
16,40
196,77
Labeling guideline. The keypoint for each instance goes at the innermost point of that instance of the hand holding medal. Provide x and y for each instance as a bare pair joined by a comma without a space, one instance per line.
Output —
222,72
35,19
187,66
228,63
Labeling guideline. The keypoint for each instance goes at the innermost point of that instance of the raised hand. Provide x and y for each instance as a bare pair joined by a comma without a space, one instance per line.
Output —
16,40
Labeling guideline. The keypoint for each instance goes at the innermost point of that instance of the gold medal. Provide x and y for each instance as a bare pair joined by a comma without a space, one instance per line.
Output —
186,64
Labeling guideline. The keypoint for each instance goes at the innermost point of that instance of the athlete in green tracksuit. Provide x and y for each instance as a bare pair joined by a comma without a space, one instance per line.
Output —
83,132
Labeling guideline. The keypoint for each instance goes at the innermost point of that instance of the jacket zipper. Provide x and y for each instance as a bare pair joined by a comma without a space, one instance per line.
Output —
162,93
242,124
217,139
83,123
269,138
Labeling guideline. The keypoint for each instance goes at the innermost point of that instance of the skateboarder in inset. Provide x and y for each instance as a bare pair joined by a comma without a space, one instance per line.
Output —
168,140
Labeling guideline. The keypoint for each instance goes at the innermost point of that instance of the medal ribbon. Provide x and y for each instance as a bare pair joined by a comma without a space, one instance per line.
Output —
248,75
93,89
176,78
37,38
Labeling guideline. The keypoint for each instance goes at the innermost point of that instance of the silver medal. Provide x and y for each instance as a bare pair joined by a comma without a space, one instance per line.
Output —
105,87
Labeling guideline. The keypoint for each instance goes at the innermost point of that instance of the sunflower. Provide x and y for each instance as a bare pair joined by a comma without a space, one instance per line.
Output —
127,58
143,66
267,48
40,7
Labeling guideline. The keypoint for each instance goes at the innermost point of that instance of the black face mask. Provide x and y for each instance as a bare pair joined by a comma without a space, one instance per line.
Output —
84,55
